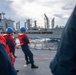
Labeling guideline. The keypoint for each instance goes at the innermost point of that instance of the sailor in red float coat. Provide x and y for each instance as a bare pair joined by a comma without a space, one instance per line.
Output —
9,49
24,41
6,68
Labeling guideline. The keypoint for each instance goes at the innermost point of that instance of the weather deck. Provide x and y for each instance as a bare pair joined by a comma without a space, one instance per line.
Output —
42,59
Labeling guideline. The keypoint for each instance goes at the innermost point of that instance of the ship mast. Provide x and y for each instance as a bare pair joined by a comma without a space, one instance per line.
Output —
53,22
46,20
2,15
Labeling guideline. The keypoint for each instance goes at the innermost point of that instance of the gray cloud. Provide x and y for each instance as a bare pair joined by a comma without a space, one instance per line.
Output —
48,3
68,6
64,7
58,15
28,1
4,5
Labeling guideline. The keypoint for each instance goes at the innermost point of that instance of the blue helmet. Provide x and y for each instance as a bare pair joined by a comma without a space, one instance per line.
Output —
9,30
22,29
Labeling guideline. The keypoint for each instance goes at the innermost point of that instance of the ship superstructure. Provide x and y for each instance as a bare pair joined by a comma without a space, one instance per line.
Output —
4,23
33,32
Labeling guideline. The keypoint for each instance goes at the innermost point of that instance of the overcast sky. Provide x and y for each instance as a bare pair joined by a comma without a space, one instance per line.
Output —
20,10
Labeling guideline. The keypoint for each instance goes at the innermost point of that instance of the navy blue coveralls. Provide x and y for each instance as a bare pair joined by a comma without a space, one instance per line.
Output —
27,52
11,44
6,67
64,62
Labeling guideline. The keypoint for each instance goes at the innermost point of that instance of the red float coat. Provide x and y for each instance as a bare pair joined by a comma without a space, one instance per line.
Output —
9,36
21,36
2,40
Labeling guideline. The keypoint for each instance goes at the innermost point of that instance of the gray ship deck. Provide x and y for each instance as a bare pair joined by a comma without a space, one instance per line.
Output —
42,59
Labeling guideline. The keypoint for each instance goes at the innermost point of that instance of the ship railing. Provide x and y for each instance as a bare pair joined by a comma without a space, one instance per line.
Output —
43,45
